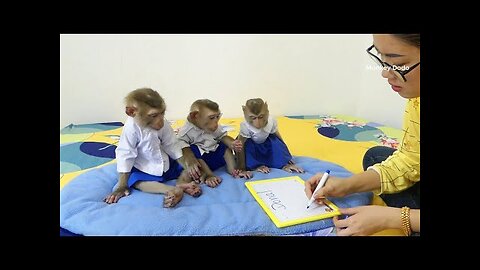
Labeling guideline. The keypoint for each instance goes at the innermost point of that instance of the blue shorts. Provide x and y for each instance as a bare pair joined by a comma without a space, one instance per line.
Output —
215,159
272,153
173,172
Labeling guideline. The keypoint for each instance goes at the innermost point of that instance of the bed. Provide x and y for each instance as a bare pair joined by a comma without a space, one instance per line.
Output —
317,142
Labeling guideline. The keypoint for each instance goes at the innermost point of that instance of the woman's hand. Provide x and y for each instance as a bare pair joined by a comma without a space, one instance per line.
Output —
367,220
334,187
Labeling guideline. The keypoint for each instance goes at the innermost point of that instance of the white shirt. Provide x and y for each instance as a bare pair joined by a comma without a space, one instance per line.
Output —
147,149
190,134
258,135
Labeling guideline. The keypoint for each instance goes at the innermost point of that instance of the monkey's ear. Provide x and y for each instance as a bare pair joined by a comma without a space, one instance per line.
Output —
193,114
243,108
130,111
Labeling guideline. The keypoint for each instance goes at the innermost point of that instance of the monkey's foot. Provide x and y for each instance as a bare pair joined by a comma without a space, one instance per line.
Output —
213,181
263,169
292,168
172,197
192,189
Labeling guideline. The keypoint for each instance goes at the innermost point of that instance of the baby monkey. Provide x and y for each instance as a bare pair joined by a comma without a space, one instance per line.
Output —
264,147
202,139
148,153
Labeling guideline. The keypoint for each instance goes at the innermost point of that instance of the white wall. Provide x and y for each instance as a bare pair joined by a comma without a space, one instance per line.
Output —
296,74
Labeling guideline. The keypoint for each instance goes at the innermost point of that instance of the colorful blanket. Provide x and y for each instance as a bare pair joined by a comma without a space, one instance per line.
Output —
334,139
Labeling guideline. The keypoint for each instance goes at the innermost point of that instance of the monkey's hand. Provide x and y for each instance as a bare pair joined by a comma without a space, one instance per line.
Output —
242,174
237,145
263,169
193,168
200,180
116,195
293,168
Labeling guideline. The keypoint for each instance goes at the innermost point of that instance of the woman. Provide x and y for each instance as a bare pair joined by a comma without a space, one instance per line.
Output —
394,175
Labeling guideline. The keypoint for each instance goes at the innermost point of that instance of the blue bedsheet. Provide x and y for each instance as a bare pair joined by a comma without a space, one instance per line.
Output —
228,209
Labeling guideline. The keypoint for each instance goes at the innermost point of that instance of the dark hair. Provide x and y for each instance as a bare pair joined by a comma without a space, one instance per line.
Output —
145,96
255,105
412,39
212,105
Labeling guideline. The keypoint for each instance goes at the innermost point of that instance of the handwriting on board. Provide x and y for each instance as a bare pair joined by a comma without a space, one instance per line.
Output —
286,199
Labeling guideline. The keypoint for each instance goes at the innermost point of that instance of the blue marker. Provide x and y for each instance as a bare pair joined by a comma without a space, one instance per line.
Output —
320,184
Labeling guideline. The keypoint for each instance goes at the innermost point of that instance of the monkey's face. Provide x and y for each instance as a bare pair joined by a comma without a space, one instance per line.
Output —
154,118
256,114
258,121
208,119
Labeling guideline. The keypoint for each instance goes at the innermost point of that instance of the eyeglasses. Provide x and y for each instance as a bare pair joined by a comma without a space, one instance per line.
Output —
399,71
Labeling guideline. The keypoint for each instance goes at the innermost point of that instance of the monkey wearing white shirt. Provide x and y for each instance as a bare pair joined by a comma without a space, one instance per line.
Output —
202,138
264,147
148,152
